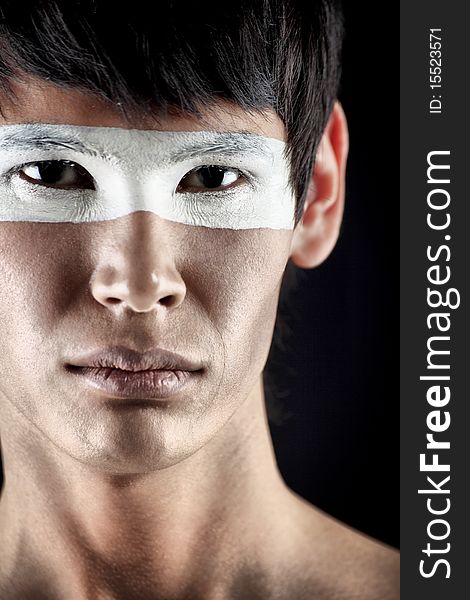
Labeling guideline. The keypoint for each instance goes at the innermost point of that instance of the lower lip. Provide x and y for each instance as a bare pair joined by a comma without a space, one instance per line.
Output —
157,384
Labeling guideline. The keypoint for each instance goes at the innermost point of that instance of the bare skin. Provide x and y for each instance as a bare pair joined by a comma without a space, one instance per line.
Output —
170,510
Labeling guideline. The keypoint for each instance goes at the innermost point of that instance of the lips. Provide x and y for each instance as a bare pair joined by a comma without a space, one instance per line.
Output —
125,373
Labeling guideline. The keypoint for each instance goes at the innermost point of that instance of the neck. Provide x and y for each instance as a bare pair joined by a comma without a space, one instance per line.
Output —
135,534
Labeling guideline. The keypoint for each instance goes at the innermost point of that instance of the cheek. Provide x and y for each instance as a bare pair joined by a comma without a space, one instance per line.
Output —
236,276
34,271
39,272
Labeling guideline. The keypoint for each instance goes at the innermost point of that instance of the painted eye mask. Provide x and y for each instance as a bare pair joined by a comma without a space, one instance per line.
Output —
68,173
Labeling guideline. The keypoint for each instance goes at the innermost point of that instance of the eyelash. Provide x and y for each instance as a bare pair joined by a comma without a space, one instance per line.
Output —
248,177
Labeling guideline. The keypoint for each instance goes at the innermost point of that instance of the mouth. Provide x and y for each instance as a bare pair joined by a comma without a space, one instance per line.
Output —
124,373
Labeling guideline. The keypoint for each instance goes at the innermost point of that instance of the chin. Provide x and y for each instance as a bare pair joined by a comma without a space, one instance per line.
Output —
138,443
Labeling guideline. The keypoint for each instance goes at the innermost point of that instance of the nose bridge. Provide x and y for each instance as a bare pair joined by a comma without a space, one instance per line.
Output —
138,269
144,246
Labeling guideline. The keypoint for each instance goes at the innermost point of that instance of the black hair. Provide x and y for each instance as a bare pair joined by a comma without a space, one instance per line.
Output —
184,55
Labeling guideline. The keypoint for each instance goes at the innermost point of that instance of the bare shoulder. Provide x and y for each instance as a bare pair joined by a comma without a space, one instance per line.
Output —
340,563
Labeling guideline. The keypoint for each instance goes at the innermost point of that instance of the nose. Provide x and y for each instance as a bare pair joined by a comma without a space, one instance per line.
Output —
136,267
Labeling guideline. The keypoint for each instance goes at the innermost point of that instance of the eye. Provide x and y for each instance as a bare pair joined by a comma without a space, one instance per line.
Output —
210,178
61,174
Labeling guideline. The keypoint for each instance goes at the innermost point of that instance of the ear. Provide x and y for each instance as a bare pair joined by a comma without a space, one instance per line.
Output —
317,232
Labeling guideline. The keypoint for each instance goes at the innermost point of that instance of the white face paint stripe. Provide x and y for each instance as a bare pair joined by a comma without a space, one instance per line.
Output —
136,169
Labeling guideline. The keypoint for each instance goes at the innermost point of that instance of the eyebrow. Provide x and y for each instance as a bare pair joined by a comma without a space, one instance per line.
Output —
227,143
24,140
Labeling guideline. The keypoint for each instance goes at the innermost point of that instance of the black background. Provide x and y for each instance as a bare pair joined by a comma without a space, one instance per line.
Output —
338,441
338,445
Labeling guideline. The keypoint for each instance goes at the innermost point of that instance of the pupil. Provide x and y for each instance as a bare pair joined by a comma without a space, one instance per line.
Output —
212,177
50,171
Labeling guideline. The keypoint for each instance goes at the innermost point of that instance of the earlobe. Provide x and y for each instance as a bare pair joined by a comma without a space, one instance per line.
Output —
317,232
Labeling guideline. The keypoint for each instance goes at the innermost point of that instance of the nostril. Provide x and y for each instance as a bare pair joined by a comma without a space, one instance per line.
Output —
138,293
168,301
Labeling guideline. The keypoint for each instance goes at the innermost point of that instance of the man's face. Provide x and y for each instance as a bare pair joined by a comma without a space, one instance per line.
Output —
139,281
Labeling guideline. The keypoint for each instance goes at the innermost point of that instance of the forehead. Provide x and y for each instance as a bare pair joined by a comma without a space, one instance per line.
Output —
36,101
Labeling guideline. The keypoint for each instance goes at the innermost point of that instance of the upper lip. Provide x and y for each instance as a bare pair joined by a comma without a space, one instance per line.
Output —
126,359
